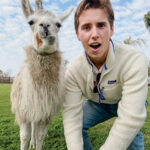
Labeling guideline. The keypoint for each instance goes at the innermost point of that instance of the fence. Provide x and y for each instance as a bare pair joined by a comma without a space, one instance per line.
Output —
6,79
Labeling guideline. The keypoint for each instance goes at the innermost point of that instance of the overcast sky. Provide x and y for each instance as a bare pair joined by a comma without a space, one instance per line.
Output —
15,33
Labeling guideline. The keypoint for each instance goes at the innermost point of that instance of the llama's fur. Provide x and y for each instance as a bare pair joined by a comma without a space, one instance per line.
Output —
37,92
38,89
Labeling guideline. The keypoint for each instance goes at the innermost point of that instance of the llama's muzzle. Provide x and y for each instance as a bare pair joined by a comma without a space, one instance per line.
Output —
46,31
51,39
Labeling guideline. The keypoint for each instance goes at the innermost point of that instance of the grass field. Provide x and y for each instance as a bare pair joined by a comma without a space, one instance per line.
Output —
9,131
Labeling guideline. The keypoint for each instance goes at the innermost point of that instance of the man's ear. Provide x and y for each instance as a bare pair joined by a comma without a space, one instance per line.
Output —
112,29
77,33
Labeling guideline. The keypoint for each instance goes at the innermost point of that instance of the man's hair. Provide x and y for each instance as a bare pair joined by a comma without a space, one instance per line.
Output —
102,4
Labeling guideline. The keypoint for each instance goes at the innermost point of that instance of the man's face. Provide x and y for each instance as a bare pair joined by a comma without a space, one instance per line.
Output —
94,32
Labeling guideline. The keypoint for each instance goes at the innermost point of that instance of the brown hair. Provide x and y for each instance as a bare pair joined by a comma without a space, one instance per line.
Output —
86,4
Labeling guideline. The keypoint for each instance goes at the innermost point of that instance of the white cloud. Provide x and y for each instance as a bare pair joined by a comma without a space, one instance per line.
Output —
69,43
122,13
115,1
54,8
15,33
64,1
138,4
138,15
12,37
6,2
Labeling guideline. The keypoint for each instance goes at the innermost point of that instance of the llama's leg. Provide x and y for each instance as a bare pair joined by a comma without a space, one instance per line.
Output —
25,129
33,134
41,132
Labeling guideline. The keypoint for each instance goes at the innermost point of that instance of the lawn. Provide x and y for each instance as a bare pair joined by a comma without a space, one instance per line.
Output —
54,140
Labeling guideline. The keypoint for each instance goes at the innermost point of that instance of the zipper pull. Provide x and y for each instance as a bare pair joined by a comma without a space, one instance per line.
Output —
100,95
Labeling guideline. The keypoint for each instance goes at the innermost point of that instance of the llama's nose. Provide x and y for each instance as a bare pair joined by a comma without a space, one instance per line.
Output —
46,31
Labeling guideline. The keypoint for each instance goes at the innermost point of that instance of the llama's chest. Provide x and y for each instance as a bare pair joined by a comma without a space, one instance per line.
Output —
41,83
42,94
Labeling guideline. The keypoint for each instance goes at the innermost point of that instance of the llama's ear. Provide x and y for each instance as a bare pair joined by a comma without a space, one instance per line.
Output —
39,5
26,7
63,16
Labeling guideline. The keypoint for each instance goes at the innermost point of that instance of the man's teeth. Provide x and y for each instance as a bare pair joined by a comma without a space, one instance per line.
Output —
95,45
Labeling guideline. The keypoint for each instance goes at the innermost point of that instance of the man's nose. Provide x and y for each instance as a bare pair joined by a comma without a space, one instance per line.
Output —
95,33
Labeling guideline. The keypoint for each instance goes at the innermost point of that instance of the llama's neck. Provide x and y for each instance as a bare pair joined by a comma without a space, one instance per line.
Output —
43,68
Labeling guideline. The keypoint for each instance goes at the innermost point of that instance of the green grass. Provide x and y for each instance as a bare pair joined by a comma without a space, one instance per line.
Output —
9,131
54,140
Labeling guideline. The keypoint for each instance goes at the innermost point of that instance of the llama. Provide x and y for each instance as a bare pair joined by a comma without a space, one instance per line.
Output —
38,89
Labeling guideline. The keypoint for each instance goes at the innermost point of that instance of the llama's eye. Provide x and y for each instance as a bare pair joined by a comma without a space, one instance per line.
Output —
58,25
41,25
31,22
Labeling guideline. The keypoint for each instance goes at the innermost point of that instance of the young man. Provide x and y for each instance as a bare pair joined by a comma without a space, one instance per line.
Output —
113,77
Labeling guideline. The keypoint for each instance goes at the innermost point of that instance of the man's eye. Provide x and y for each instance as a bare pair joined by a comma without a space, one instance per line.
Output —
86,27
101,25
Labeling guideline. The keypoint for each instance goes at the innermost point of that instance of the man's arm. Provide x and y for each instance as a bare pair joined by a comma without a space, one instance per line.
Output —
131,108
72,114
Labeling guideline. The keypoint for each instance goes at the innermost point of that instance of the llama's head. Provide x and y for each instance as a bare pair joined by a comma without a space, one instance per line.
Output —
44,25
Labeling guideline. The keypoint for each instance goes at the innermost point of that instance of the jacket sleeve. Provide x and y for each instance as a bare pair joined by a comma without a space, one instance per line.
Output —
72,113
131,108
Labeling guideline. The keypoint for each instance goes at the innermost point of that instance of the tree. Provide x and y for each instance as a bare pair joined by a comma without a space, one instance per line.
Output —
147,20
149,71
1,73
138,41
5,74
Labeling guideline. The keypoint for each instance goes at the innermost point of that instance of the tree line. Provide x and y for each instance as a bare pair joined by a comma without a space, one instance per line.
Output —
5,77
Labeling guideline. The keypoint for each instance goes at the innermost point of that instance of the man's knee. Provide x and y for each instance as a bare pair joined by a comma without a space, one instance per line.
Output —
137,143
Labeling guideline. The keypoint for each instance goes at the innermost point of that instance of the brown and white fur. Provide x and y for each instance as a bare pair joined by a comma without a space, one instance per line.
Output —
38,89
